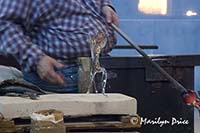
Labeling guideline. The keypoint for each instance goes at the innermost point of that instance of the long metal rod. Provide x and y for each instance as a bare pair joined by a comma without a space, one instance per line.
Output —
178,86
141,46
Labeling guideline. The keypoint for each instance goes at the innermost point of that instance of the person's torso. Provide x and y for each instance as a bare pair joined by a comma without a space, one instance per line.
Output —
61,27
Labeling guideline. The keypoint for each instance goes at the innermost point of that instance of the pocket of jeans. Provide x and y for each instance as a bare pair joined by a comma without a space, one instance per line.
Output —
70,74
71,80
32,77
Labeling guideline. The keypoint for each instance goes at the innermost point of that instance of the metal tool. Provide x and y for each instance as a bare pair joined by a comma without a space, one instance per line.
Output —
188,96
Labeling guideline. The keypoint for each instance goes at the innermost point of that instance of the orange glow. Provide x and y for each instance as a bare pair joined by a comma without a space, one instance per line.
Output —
153,6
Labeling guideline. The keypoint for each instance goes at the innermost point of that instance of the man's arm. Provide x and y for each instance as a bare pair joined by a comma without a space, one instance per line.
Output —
15,15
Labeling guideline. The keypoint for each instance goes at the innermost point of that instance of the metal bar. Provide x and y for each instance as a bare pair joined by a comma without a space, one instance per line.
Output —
141,46
179,87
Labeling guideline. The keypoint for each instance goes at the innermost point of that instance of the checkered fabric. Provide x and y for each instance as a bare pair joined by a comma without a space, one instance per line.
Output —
30,29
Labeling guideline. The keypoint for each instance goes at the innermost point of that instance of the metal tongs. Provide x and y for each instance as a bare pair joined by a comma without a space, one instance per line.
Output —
189,97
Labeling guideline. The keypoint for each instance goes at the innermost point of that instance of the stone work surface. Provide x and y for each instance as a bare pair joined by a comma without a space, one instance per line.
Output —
69,104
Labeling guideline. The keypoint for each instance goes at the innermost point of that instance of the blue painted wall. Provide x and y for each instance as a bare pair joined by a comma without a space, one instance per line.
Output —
174,33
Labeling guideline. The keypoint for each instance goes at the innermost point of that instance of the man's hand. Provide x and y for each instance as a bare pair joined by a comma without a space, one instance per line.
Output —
46,70
110,15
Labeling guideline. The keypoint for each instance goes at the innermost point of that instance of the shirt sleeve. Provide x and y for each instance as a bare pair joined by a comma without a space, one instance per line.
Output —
14,17
106,3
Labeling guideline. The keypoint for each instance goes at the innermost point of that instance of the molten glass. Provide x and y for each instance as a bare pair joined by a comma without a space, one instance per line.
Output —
97,43
191,98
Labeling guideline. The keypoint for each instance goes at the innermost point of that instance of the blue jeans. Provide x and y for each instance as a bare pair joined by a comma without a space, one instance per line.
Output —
70,73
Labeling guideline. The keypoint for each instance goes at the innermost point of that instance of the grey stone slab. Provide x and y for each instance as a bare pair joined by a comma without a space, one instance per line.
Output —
69,104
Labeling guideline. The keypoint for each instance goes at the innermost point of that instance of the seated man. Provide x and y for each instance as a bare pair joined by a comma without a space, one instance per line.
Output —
47,36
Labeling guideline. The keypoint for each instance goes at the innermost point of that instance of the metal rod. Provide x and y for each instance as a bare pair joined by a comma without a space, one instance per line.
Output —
178,86
141,46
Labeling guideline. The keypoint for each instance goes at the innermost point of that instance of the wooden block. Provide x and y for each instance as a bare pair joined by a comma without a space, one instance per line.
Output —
70,105
7,126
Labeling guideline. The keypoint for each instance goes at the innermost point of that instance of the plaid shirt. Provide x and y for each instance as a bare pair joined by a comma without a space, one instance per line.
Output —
30,29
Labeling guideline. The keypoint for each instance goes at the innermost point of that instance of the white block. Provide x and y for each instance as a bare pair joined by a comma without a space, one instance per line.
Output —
69,104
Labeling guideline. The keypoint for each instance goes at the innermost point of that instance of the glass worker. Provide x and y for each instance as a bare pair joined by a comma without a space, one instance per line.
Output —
47,36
